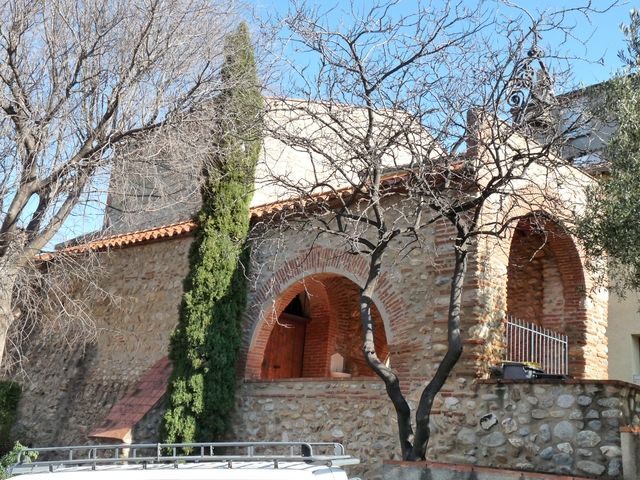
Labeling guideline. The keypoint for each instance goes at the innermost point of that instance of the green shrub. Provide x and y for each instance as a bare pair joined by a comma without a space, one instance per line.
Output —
11,457
9,397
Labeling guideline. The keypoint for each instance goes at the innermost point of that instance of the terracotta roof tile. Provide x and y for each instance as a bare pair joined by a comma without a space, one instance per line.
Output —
131,408
392,181
130,238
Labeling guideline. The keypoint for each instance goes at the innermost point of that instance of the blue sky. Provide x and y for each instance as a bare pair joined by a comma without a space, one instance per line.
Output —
603,39
598,41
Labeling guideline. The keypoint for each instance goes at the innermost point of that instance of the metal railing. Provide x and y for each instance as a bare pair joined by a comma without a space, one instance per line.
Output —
528,342
180,454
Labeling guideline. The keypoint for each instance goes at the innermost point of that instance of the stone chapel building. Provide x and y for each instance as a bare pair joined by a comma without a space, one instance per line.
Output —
303,377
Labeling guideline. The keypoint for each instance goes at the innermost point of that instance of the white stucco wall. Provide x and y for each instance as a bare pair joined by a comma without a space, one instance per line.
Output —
623,333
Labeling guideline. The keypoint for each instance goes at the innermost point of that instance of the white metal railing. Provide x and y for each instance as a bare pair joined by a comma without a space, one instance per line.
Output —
180,454
528,342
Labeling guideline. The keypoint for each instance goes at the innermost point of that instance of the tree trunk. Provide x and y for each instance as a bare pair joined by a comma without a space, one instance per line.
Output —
388,376
454,350
8,275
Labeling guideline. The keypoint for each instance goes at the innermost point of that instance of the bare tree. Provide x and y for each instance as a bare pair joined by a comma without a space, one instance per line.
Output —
444,115
81,83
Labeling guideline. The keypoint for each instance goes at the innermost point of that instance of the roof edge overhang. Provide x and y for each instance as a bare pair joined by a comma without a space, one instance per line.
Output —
264,212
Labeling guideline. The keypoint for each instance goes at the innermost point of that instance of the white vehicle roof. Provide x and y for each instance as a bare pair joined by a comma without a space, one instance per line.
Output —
210,471
212,461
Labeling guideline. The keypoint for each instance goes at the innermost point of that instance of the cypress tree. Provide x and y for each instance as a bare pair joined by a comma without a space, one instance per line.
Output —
205,345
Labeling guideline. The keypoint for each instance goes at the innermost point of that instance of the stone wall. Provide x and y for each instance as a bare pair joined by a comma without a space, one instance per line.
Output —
564,428
353,412
148,430
395,470
62,398
67,392
70,392
569,427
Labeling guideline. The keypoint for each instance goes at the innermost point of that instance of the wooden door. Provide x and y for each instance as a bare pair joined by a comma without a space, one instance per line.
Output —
285,348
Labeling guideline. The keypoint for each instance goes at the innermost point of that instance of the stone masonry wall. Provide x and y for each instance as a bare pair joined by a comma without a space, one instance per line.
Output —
68,392
355,413
569,427
72,391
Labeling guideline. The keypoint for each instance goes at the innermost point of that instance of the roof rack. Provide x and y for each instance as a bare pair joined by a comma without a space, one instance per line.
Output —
145,454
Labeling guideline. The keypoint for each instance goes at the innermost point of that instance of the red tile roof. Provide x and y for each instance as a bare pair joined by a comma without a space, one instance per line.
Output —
130,238
393,181
130,409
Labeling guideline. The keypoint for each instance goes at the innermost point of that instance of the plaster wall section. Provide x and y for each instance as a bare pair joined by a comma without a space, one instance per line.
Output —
624,332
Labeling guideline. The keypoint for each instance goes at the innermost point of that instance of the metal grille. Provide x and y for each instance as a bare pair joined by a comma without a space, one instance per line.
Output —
527,342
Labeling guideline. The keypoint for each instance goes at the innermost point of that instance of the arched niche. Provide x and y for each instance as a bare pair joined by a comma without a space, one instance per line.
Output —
314,320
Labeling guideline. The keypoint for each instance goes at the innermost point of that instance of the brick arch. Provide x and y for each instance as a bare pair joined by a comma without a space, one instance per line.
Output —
579,317
587,327
316,355
554,243
291,279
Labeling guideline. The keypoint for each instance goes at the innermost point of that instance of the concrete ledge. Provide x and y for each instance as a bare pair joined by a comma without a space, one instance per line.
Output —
314,380
553,381
630,429
399,470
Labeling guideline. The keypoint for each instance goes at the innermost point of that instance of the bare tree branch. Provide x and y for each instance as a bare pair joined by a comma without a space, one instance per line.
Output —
442,116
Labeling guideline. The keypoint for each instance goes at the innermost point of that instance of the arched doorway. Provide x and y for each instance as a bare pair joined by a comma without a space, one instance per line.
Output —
316,331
